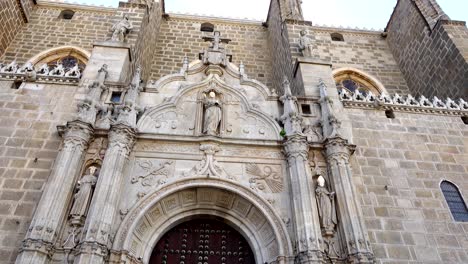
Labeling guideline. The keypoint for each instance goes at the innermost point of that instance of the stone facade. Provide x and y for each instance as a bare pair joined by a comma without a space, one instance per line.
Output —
316,156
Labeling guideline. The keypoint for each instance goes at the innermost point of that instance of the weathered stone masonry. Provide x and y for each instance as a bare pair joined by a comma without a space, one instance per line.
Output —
333,155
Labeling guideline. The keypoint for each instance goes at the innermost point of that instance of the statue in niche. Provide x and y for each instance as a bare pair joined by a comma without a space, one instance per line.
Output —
121,29
212,114
326,207
306,45
83,196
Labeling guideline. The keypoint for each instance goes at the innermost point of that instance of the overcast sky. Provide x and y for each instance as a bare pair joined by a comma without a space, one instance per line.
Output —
348,13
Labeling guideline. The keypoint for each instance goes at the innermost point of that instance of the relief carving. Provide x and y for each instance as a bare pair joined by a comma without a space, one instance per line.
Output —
264,178
208,166
153,175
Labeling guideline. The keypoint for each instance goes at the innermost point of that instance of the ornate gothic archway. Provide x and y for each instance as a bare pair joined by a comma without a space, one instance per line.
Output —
167,207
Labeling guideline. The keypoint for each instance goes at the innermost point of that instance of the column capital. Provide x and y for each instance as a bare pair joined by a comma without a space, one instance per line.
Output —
123,136
38,245
338,147
296,146
93,248
76,132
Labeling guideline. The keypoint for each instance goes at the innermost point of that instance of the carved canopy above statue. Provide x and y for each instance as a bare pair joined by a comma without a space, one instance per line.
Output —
210,100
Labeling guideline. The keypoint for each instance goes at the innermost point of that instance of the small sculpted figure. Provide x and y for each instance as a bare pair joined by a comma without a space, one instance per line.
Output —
44,69
121,29
212,117
10,68
59,70
326,206
83,195
74,72
306,44
28,71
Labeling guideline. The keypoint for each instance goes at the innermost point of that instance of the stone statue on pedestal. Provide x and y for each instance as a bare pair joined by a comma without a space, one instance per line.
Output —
306,45
83,196
326,207
121,29
212,114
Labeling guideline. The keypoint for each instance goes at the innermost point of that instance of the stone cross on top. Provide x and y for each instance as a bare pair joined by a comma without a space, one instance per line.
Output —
216,40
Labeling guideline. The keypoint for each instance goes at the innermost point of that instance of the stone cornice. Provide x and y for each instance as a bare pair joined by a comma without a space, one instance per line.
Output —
405,104
39,78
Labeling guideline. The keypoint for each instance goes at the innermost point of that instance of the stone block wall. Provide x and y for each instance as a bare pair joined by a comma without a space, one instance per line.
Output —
29,144
45,30
180,35
398,167
279,46
364,50
11,21
433,60
147,34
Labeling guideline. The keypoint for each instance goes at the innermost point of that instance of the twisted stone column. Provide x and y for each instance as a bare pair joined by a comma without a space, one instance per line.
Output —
95,241
51,211
338,152
305,217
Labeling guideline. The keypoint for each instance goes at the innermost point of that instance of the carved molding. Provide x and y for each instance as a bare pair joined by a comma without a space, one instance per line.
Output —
408,104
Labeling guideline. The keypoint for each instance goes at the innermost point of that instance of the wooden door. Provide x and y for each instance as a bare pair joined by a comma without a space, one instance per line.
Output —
202,241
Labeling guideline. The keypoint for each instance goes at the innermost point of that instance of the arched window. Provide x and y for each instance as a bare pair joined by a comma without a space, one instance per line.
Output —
336,37
353,79
207,27
66,14
455,201
67,55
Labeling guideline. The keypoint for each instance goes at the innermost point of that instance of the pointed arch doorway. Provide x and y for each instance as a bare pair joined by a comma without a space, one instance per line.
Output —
202,241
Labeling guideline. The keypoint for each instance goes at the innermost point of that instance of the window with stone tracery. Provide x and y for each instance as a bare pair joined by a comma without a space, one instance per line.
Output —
455,201
352,80
68,62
